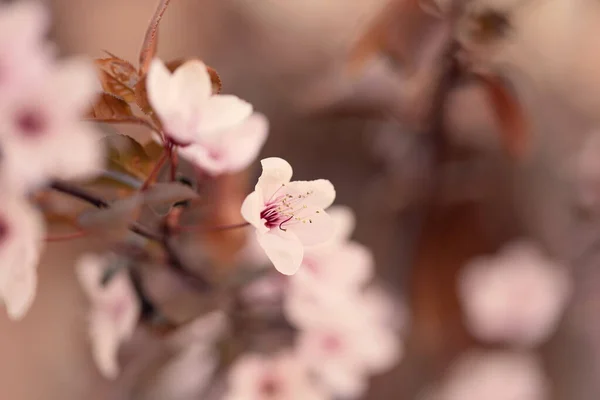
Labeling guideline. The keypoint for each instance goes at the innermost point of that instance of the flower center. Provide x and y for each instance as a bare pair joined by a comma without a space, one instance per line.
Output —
4,230
30,123
269,387
332,343
286,208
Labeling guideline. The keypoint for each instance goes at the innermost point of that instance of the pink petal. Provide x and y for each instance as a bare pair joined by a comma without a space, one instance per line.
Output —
319,193
251,208
312,226
222,112
275,173
18,291
243,142
284,249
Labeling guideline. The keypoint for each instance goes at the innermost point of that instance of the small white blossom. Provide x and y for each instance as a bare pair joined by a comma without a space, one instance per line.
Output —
114,314
218,133
343,339
24,54
494,376
288,215
280,377
41,135
21,242
338,264
517,296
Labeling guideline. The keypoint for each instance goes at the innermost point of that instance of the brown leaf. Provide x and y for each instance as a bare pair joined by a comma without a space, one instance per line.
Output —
110,108
150,44
141,97
511,117
118,77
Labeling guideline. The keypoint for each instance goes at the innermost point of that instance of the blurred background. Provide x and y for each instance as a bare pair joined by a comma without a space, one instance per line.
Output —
366,129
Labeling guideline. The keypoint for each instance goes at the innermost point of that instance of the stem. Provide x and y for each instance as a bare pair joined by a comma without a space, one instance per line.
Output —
153,174
98,202
193,228
163,237
174,157
66,236
79,193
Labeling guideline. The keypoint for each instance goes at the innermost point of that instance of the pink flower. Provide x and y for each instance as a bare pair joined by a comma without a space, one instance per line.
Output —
288,215
280,377
338,264
517,296
42,137
21,242
115,311
345,339
24,54
218,133
494,376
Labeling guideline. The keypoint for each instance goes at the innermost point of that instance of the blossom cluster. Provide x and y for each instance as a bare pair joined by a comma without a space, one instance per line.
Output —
514,298
346,330
42,137
342,329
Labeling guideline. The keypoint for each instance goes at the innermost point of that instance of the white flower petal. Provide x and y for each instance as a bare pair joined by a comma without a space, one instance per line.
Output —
115,311
275,173
344,221
105,345
251,208
319,193
284,249
19,290
223,112
191,83
243,142
312,226
158,82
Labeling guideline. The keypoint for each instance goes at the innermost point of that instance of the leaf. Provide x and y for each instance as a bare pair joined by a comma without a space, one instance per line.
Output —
118,77
120,214
511,117
150,44
129,156
109,108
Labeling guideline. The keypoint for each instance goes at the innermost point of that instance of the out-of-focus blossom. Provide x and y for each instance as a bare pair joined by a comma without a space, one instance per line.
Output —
517,296
494,376
280,377
21,241
41,134
24,54
344,337
343,353
288,215
189,373
338,264
218,133
114,313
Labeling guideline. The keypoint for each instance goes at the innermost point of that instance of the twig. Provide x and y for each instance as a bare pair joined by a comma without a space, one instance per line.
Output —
164,237
80,194
155,170
66,236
